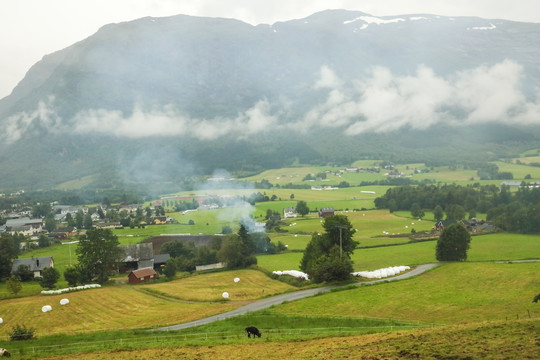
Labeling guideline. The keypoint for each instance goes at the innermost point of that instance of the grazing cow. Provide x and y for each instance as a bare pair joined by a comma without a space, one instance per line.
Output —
252,330
4,352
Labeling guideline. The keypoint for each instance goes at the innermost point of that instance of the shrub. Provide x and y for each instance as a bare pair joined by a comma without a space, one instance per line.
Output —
21,332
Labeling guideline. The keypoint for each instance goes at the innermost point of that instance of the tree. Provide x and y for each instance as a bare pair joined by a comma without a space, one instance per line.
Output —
416,211
169,270
79,219
331,267
233,253
71,275
49,278
455,212
453,244
8,252
438,213
24,273
44,241
98,253
87,221
13,285
328,254
302,208
50,223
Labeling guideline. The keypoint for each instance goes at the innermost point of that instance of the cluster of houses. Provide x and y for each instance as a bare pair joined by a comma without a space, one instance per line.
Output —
473,225
138,261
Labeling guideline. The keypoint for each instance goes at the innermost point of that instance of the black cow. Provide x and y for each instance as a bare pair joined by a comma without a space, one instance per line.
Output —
4,352
252,330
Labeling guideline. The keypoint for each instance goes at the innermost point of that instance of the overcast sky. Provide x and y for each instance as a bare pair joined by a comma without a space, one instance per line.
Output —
34,28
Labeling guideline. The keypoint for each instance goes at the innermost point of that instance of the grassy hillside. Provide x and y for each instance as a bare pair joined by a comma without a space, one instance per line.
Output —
499,340
125,307
451,294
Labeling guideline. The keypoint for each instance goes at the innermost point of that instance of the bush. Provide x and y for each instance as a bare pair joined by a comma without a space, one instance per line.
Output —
21,332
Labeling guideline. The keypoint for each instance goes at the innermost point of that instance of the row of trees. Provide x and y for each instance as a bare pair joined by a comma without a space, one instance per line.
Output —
236,250
512,211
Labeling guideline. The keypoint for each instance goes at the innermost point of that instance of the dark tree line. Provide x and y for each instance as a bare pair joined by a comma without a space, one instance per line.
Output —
511,211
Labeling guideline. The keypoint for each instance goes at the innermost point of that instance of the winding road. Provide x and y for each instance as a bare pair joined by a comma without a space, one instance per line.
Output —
279,299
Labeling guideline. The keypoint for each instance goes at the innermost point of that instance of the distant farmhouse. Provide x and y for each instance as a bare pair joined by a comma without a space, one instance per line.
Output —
35,264
289,212
25,226
326,212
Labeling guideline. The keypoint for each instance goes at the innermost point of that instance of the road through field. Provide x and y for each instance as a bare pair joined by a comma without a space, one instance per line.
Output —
279,299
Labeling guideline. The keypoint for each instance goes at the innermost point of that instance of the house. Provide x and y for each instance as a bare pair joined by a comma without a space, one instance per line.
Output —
35,264
158,220
326,212
24,225
159,261
142,275
137,256
442,224
289,212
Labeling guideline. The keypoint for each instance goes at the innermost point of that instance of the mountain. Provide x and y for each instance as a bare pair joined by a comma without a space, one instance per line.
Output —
157,99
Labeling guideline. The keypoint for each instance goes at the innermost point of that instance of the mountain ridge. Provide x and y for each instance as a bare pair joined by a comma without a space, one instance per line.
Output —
206,84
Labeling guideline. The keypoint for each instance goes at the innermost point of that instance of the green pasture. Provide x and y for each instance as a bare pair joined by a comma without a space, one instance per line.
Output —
491,247
450,294
520,170
333,176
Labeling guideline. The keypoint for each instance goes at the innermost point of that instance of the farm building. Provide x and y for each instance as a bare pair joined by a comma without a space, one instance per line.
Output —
35,264
137,256
289,212
326,212
142,275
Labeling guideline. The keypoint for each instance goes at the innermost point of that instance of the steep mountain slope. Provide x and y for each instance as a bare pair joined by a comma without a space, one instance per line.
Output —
197,94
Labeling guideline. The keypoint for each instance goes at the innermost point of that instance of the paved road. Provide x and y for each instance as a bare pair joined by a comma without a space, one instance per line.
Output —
279,299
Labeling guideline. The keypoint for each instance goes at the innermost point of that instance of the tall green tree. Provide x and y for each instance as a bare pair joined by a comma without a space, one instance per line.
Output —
302,208
438,213
455,212
237,250
453,244
330,251
98,253
9,251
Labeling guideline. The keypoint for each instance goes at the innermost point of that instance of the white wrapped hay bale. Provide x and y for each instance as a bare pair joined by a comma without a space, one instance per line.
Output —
46,308
64,302
225,295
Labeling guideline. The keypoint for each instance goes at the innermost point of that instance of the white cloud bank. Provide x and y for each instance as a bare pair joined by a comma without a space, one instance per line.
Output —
380,102
384,101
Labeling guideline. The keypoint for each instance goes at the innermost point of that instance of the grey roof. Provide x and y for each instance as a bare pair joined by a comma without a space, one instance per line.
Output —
161,258
35,263
138,252
23,221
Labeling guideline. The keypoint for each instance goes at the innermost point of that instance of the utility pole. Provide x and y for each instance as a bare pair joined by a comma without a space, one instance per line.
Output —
340,227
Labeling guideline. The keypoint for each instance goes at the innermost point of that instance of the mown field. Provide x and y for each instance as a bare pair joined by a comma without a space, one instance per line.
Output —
499,340
124,307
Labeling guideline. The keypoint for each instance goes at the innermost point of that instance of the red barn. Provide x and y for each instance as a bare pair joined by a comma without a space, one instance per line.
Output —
326,212
142,275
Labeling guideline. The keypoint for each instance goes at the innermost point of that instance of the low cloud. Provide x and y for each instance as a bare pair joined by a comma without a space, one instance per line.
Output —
168,122
381,101
384,101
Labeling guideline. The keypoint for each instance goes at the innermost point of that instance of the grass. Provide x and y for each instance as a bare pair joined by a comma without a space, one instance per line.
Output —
209,287
497,246
451,294
127,307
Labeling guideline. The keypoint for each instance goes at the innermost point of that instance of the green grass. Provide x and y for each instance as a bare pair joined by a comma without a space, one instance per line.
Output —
451,294
497,246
